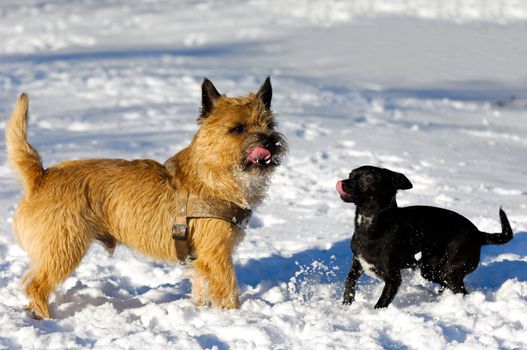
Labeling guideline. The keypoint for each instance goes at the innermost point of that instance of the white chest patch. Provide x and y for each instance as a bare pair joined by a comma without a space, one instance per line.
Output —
364,220
368,268
418,256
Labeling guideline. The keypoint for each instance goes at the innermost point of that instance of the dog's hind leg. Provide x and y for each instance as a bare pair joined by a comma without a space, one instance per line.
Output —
432,273
452,281
38,290
455,283
56,260
349,287
461,258
454,273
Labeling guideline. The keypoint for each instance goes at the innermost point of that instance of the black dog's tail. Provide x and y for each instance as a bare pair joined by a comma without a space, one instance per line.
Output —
499,238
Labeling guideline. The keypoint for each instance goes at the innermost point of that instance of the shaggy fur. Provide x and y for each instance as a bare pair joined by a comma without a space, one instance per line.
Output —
69,205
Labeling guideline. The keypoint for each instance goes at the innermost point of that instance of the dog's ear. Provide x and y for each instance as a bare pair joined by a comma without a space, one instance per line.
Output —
209,97
401,182
265,93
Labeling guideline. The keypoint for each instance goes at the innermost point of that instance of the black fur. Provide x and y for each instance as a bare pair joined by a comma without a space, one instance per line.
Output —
265,93
387,238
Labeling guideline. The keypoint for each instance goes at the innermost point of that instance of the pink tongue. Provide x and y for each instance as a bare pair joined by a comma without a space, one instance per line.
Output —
258,153
340,190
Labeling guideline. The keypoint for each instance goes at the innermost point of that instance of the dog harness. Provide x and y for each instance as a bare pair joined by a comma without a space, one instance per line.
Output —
191,207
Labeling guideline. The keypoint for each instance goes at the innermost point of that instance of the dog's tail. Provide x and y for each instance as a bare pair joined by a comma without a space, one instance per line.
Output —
21,154
499,238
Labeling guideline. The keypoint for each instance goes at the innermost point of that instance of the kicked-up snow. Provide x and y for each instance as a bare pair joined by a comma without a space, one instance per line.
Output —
433,89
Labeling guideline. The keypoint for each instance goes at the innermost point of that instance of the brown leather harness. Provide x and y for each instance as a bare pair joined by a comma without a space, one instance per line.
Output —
191,207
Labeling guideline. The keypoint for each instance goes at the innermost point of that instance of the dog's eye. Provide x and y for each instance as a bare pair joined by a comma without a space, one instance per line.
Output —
239,129
366,181
271,125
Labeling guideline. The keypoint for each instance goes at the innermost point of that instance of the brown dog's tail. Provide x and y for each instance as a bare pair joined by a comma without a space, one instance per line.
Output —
21,154
499,238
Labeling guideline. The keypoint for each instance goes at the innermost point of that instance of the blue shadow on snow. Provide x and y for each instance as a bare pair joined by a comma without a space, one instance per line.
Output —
276,268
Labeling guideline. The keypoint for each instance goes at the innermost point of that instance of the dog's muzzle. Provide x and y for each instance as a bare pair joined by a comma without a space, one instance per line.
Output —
343,194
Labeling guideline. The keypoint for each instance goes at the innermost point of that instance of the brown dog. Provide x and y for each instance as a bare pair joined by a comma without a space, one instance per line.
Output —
68,206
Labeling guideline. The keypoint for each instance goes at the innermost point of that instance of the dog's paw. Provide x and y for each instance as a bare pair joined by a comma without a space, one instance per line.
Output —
32,310
347,301
231,302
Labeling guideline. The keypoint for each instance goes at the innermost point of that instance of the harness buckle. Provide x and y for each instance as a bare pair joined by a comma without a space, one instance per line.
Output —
180,232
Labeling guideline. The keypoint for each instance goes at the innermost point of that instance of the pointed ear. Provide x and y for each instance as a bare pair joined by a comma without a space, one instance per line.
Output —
265,93
209,97
401,182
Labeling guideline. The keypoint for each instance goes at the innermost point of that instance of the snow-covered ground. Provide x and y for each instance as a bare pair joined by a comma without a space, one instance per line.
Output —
434,89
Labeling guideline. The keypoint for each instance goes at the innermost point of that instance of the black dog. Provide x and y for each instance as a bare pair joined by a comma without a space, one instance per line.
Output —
387,238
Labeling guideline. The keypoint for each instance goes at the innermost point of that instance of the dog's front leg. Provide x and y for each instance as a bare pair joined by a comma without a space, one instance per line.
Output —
391,286
220,285
215,279
199,290
349,288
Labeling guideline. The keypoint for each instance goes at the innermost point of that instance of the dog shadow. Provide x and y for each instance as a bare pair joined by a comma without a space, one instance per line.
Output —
498,264
277,269
119,292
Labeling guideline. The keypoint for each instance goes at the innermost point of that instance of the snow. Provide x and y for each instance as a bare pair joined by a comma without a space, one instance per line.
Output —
433,89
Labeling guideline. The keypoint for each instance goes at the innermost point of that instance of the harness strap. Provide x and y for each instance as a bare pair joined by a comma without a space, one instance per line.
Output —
180,228
191,207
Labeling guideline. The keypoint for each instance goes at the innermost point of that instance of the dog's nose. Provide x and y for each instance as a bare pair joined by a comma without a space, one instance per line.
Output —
270,143
340,190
